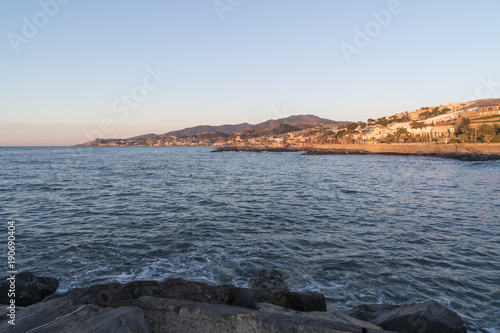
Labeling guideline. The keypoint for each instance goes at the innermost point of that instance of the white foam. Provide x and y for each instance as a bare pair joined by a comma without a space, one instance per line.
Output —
491,330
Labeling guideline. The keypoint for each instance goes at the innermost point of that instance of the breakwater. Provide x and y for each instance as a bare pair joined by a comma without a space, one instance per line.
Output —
460,152
417,149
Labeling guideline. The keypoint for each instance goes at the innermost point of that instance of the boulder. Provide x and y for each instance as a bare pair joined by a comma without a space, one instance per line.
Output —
269,278
158,315
172,316
336,320
117,294
369,312
92,319
29,290
426,317
300,301
62,315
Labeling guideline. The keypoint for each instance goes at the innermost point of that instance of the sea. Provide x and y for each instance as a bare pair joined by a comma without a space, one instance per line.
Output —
357,228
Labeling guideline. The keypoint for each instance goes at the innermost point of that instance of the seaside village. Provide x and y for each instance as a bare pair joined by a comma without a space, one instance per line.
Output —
435,124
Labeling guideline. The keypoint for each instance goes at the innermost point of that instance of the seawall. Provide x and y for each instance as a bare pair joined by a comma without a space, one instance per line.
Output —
424,149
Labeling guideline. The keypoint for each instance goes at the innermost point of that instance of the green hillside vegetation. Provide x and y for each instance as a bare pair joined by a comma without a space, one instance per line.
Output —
485,133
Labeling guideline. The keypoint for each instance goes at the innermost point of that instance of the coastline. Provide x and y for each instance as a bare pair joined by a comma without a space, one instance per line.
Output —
466,152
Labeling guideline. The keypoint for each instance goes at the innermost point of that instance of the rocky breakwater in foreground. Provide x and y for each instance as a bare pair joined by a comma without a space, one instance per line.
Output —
177,305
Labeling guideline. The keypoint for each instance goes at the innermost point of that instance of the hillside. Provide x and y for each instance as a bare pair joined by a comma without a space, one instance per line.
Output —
271,130
299,120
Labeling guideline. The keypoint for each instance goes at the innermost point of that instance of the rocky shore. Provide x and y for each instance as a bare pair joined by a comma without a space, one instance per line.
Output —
178,305
256,149
463,156
305,151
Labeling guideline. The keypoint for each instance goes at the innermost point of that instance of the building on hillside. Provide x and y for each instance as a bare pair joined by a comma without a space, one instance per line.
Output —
492,109
279,141
420,132
371,127
378,133
443,131
436,132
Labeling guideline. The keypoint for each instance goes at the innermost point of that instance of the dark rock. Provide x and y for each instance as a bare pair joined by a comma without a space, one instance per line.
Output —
197,291
472,157
300,301
177,305
94,319
168,315
269,278
337,320
254,149
426,317
157,315
117,294
29,290
62,315
369,312
335,152
307,301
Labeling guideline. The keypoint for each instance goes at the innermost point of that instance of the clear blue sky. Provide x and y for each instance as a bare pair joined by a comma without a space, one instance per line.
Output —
263,59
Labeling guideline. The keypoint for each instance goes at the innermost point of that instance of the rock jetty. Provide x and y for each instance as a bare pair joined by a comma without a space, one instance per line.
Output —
463,156
256,149
178,305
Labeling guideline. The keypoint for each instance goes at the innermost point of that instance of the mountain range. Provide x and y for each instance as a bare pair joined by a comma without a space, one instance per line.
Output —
298,120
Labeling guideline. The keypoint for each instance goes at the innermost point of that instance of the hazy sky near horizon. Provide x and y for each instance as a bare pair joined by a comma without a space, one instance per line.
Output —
72,70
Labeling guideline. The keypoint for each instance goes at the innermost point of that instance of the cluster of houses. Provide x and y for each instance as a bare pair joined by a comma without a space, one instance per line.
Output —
439,126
